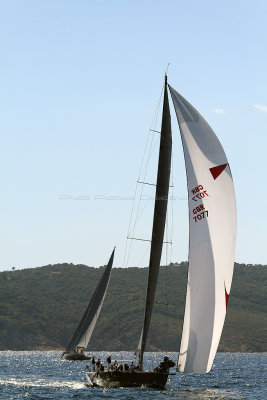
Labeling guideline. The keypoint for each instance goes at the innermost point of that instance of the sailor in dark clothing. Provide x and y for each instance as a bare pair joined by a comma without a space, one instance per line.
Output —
126,367
109,360
115,365
93,363
98,364
165,365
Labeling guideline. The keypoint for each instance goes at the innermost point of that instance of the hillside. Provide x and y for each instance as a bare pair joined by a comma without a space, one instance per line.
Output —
41,307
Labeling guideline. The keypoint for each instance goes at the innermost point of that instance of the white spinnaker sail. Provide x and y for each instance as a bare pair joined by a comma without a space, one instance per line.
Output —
212,234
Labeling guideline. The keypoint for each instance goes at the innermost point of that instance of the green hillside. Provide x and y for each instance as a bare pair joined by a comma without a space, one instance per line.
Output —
41,307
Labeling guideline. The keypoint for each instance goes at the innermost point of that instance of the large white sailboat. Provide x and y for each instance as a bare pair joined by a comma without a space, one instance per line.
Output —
212,234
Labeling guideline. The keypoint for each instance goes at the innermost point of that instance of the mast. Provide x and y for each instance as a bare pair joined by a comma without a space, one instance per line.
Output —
160,211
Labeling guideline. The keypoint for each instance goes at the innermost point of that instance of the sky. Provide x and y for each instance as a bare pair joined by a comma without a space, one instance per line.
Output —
79,85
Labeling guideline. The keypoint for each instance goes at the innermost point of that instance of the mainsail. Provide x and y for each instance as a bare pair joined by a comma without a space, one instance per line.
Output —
85,328
160,210
212,229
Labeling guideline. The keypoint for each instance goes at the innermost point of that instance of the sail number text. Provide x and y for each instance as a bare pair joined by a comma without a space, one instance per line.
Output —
200,213
199,193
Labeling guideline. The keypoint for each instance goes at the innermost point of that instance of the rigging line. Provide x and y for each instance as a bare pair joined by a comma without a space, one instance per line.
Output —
134,226
156,146
166,273
151,151
172,200
172,220
139,202
141,213
142,210
134,199
166,72
143,256
138,214
126,258
153,122
138,264
155,117
136,219
146,183
151,184
125,251
141,166
144,240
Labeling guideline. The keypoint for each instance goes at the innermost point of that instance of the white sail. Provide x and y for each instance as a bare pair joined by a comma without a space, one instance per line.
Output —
212,227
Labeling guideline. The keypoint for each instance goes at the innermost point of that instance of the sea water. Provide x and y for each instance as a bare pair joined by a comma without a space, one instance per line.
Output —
42,375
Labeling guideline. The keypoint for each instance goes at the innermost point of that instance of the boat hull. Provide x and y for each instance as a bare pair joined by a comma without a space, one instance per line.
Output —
127,379
75,357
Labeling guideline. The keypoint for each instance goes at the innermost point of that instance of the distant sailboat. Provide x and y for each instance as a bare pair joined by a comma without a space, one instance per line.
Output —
212,233
79,342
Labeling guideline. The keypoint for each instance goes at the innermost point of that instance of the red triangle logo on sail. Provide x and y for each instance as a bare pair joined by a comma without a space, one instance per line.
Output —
226,296
216,171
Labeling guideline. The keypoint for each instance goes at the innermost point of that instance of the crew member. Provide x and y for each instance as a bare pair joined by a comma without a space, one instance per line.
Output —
109,361
93,363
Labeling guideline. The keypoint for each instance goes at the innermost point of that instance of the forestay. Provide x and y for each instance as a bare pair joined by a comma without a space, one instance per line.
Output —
212,231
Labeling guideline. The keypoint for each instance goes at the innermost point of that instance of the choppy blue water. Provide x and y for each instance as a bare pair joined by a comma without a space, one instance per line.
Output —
42,375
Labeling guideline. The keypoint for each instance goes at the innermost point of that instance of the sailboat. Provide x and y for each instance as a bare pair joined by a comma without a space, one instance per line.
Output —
212,234
79,341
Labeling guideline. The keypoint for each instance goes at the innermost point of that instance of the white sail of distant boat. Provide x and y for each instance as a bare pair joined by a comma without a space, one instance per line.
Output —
83,333
212,233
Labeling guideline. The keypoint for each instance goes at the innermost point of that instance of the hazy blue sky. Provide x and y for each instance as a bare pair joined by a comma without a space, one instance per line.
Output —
79,84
